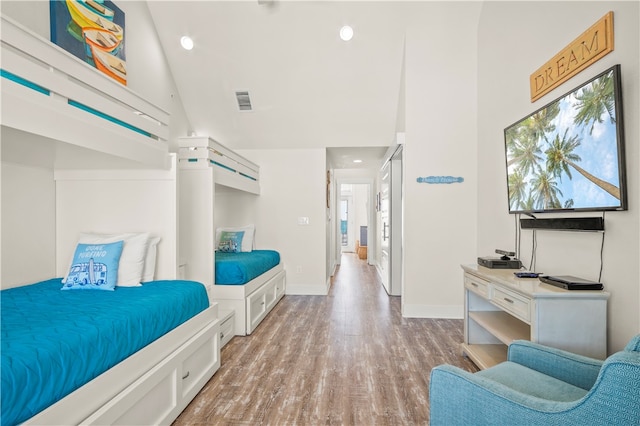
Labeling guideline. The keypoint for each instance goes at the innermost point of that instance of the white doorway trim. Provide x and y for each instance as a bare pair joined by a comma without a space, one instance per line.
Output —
369,181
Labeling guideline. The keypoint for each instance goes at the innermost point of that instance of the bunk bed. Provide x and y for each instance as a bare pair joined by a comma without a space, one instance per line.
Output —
97,138
206,166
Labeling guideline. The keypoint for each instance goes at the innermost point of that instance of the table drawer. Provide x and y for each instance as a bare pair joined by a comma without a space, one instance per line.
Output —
477,285
515,304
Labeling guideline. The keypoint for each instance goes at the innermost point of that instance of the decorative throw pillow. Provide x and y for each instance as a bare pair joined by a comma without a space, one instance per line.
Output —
94,267
231,241
247,239
134,252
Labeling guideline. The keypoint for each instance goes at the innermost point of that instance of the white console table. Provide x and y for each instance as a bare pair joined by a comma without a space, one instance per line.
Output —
500,308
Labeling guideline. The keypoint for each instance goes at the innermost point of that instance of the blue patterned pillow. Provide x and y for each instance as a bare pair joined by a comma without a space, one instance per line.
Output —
231,241
94,267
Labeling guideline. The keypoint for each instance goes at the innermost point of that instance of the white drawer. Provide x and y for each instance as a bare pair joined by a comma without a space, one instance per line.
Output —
151,399
276,289
280,288
515,304
270,294
203,361
477,285
256,308
260,302
156,395
227,326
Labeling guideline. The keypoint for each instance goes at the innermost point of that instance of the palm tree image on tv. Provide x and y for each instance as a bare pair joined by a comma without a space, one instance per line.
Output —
566,155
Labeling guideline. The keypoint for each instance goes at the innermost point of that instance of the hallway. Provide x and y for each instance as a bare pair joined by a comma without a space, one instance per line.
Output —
345,358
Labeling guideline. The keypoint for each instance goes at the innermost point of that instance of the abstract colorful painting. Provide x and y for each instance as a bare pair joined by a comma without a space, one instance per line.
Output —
92,30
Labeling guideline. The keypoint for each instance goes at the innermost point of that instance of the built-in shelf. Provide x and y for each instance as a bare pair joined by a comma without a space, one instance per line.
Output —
485,356
502,325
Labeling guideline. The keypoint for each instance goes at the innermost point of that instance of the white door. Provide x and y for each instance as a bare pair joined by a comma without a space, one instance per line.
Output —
385,227
395,233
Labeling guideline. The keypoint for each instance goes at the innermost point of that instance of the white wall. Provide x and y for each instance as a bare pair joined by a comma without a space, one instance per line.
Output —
440,220
28,225
511,47
293,186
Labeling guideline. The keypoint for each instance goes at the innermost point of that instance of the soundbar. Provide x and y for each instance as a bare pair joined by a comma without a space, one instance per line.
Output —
565,224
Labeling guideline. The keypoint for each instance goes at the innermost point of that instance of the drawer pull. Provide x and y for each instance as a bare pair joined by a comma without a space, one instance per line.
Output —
506,299
262,303
222,335
474,284
185,376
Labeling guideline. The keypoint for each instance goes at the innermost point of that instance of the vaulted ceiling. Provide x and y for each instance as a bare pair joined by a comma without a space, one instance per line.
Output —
308,88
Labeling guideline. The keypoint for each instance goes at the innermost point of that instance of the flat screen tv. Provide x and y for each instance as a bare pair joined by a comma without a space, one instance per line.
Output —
569,154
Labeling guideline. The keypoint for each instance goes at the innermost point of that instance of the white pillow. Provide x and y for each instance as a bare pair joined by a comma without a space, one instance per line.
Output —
149,270
134,252
247,238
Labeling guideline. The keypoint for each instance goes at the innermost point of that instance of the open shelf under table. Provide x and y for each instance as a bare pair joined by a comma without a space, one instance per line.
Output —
502,325
485,356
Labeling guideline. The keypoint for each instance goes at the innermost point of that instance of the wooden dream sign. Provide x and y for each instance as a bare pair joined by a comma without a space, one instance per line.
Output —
589,47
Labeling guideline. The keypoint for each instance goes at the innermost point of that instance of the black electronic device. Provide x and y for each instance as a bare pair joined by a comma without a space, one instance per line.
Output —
503,262
569,282
506,253
499,263
565,224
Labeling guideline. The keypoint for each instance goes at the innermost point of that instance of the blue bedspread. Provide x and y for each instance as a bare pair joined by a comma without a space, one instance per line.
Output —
240,268
55,341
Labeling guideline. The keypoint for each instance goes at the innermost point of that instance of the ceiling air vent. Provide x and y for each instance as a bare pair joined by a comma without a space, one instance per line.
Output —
244,101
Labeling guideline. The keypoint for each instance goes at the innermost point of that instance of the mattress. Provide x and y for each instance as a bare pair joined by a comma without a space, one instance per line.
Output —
54,341
240,268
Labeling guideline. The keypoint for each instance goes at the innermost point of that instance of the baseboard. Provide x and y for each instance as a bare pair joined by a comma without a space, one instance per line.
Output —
307,289
432,311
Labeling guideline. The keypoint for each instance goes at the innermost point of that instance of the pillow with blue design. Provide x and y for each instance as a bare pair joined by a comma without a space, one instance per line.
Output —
247,239
94,267
231,241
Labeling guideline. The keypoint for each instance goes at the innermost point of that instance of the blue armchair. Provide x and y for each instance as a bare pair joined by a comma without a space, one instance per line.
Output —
539,385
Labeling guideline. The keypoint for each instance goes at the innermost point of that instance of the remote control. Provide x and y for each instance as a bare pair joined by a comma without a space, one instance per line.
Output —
527,274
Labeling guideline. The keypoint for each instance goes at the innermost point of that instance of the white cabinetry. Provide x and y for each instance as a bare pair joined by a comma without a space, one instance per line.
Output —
501,308
160,395
227,326
251,302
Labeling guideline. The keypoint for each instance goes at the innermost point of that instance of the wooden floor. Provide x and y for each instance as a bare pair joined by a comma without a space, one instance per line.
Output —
348,358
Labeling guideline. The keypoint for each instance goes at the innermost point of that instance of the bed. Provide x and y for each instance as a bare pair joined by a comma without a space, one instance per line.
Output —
238,268
205,168
74,336
250,284
67,130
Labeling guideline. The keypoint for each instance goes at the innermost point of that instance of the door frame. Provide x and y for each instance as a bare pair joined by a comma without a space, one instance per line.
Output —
355,180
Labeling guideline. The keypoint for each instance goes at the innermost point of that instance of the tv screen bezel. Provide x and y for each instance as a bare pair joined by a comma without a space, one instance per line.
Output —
620,142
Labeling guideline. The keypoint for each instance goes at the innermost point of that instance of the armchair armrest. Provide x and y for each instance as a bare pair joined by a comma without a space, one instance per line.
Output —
458,397
571,368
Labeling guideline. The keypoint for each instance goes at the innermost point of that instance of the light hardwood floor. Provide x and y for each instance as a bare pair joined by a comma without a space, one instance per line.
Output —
348,358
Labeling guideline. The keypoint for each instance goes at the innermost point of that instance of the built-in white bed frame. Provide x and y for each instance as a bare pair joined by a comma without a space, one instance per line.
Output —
205,164
58,113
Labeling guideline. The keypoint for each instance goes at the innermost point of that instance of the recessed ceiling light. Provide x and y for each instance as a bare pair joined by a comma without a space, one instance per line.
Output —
357,161
346,33
186,42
